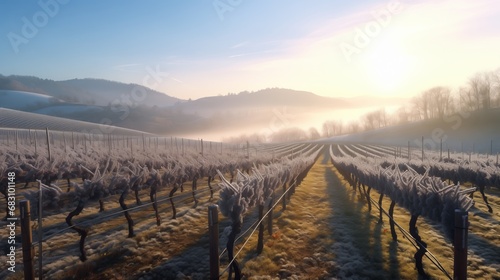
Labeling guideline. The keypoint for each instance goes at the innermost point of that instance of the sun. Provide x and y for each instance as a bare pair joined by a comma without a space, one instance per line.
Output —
387,66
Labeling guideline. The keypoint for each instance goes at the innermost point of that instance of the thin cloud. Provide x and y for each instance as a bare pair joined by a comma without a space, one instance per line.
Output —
251,53
239,45
176,80
131,67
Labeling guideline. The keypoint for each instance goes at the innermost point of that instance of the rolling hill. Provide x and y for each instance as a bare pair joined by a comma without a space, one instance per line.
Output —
263,99
13,119
101,101
88,91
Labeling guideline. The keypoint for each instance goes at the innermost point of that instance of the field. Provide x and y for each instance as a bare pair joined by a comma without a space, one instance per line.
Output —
328,230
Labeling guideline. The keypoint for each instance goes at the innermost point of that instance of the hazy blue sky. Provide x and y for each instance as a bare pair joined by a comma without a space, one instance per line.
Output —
207,47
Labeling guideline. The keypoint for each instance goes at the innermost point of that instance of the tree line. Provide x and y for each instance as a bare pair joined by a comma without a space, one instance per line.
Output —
481,92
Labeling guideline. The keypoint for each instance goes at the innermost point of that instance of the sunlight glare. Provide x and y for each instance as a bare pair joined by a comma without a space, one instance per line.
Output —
388,66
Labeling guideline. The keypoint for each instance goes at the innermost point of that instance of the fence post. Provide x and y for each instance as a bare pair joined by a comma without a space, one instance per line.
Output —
284,197
213,229
36,151
460,245
441,149
270,216
48,143
422,148
40,230
24,207
409,155
260,242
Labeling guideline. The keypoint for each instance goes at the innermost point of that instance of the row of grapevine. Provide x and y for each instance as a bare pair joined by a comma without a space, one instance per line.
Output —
88,169
257,189
421,194
481,173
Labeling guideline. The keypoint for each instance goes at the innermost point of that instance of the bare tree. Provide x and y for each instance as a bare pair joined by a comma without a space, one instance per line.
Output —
289,134
375,119
436,102
479,92
441,102
495,88
353,127
402,115
421,105
332,128
313,133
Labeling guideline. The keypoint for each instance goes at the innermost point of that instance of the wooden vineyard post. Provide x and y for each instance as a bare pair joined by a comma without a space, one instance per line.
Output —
40,227
24,206
460,244
462,146
260,242
270,216
143,143
422,148
85,142
491,146
201,146
409,154
284,197
65,145
109,144
48,143
213,231
132,149
441,149
36,149
248,150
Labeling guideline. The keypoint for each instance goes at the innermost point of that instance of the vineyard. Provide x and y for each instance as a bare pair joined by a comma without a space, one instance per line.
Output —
130,205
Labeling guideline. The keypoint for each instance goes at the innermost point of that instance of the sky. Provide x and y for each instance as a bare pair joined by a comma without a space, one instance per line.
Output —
197,48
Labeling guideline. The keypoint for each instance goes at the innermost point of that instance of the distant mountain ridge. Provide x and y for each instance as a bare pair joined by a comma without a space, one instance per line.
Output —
86,91
262,100
102,101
